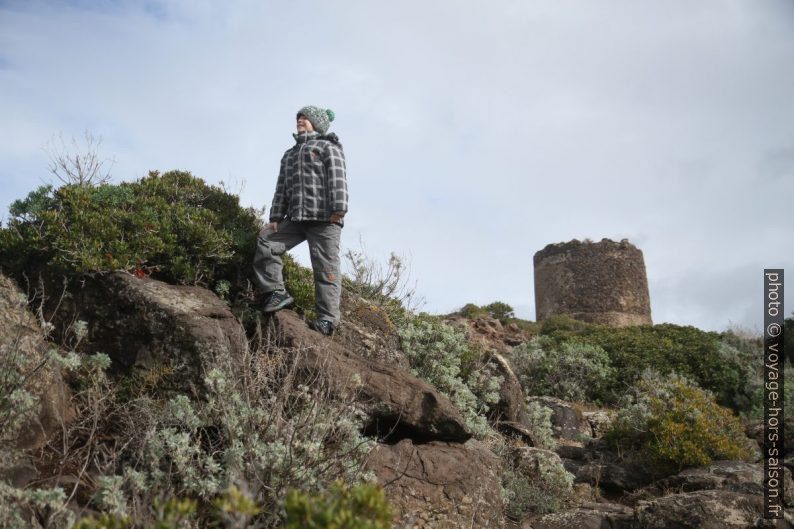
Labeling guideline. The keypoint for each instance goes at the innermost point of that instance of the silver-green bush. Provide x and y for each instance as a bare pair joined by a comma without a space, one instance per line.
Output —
570,371
439,353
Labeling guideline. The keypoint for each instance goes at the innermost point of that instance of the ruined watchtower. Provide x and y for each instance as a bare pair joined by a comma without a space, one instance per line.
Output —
596,282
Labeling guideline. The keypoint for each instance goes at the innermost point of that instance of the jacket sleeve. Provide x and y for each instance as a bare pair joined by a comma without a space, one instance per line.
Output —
337,177
278,209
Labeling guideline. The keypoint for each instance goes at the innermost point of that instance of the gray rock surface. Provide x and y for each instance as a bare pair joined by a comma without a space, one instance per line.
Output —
595,463
735,476
587,516
23,343
145,325
368,332
440,485
567,421
704,509
399,405
511,395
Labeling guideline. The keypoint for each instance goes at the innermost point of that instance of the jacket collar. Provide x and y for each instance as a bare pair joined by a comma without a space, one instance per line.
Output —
303,137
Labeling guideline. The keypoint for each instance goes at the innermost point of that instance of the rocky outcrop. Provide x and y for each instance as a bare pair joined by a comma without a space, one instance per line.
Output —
399,405
755,431
599,420
144,325
23,347
440,485
589,515
434,474
596,464
490,333
734,476
181,331
509,414
511,395
368,332
704,509
567,421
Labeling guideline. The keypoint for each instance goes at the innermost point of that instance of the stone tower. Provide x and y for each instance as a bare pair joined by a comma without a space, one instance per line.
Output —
596,282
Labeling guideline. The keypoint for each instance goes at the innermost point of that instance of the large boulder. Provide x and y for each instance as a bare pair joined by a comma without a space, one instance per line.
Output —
595,463
567,420
368,332
23,347
511,394
510,415
705,509
440,485
599,420
146,325
735,476
490,333
589,515
755,431
399,405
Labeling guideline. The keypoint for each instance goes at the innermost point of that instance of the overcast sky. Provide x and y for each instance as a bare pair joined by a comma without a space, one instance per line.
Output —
476,132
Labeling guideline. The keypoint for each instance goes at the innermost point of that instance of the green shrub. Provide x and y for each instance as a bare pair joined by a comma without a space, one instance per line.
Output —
388,287
253,427
29,371
497,310
172,226
233,509
442,355
471,311
747,345
538,420
562,324
530,327
299,282
533,482
677,424
170,514
666,348
501,311
338,507
569,370
756,410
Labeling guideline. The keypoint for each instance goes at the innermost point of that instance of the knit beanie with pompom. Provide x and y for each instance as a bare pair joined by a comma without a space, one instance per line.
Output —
320,118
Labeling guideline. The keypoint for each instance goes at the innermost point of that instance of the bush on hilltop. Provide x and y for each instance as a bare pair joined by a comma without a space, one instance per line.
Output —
173,226
666,348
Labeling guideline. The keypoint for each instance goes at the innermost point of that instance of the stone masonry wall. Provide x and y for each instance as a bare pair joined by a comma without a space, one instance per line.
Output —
602,282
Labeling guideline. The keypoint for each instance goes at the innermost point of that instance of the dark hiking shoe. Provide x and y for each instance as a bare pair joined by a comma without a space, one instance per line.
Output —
277,300
322,326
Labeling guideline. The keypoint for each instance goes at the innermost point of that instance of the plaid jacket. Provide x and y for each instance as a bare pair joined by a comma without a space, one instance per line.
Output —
311,183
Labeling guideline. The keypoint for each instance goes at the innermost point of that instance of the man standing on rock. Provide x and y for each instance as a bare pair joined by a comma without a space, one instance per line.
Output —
309,204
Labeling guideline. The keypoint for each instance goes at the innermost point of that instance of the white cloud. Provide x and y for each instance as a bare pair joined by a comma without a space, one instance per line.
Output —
476,133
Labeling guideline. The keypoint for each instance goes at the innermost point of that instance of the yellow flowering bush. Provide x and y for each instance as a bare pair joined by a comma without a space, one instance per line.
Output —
677,424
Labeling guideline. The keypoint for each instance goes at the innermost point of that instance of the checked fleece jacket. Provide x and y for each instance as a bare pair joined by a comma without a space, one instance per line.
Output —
311,182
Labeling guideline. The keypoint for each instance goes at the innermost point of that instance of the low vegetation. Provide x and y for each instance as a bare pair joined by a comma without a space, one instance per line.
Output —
533,482
568,370
262,450
172,226
698,355
676,424
442,355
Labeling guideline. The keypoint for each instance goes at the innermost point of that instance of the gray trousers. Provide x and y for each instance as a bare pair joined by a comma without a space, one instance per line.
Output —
323,239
